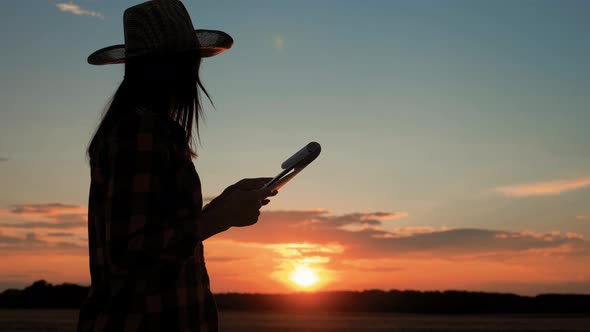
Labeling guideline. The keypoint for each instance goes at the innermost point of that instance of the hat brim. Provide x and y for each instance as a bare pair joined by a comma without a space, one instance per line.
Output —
211,43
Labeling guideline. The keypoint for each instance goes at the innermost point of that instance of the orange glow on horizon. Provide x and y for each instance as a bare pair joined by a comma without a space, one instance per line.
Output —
303,251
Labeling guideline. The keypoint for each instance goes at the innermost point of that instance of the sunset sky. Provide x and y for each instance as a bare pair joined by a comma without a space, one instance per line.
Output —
455,141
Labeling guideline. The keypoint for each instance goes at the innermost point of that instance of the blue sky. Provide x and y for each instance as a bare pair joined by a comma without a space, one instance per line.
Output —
422,107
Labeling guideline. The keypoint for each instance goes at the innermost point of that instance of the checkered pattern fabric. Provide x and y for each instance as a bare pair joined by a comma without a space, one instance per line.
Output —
146,256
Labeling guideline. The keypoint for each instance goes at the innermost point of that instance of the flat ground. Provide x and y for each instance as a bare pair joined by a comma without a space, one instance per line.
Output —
65,320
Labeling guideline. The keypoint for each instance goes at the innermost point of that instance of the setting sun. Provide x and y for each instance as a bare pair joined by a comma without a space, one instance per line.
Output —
303,276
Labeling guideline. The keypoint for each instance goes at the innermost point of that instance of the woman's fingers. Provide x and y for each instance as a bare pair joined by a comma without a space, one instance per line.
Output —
254,217
257,194
252,183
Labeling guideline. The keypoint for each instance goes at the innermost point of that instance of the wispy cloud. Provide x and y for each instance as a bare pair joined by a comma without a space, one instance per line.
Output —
70,7
61,234
3,159
44,219
33,244
33,225
583,217
544,188
45,209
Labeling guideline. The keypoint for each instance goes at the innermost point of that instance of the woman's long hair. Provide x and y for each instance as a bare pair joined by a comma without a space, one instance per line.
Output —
168,84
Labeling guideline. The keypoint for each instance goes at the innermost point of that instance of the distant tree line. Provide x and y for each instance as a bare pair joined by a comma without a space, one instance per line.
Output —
44,295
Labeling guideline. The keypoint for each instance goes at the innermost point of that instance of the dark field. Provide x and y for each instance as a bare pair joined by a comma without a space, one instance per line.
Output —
64,320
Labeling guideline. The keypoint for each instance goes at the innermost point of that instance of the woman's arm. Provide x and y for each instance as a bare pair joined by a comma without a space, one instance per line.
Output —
210,225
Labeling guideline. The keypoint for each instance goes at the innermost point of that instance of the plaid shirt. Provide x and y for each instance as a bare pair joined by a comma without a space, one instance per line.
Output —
146,257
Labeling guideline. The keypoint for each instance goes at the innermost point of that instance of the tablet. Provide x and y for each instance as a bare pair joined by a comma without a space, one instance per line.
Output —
295,164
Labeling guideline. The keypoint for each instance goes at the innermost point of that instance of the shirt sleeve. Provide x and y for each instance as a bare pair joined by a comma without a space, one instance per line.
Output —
144,232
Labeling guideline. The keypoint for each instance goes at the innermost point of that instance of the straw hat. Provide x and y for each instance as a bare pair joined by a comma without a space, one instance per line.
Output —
159,27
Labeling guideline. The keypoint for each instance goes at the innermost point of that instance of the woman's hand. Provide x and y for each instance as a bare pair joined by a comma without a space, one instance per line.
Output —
244,184
241,207
238,205
253,184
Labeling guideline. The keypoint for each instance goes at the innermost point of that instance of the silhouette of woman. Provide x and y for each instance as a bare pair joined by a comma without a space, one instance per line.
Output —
146,222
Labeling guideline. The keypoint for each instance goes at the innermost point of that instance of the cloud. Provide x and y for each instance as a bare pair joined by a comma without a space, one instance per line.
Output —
288,230
53,215
382,215
55,228
302,249
318,233
544,188
381,254
7,240
583,217
3,159
77,10
572,235
44,225
49,209
368,265
58,234
30,239
359,218
31,243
